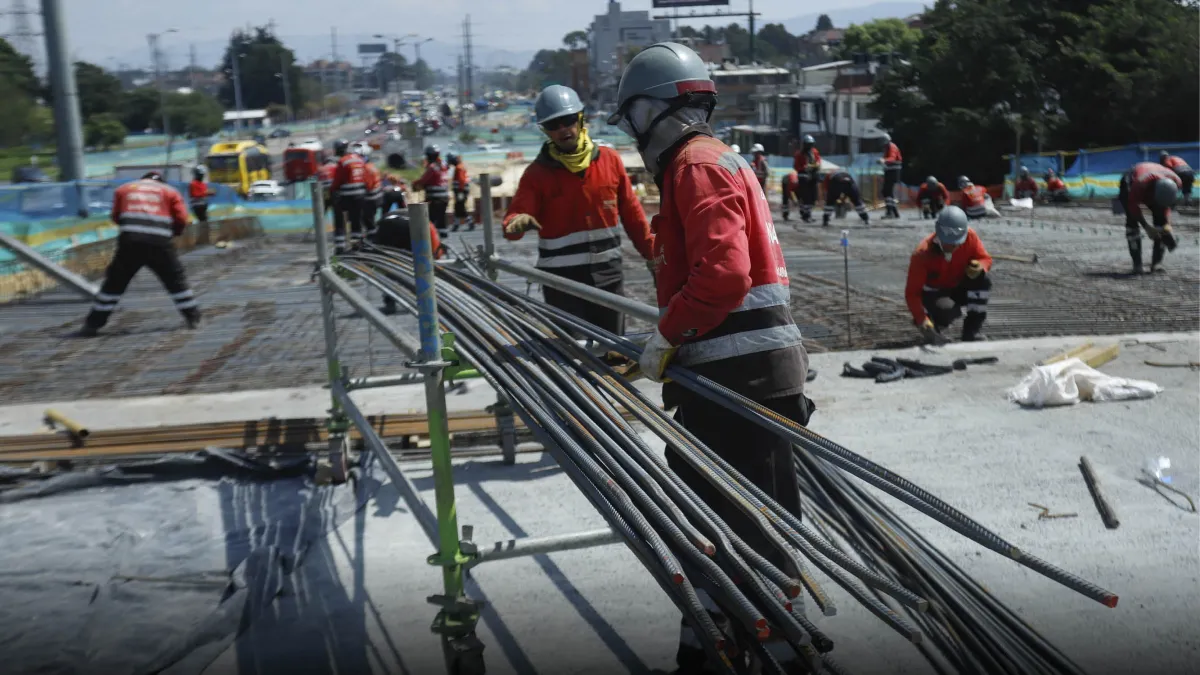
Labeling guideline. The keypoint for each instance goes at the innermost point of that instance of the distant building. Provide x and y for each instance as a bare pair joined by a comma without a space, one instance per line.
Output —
818,46
335,76
251,119
581,80
736,86
615,35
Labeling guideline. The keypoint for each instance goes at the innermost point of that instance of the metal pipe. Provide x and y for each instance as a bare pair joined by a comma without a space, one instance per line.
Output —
530,546
377,381
71,280
55,417
403,341
487,216
612,301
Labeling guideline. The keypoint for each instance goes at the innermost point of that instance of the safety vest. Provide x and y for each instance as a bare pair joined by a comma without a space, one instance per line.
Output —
148,210
349,181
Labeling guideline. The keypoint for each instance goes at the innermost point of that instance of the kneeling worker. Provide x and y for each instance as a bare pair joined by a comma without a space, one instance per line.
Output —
574,194
1157,187
148,214
838,184
1025,186
393,231
933,197
948,271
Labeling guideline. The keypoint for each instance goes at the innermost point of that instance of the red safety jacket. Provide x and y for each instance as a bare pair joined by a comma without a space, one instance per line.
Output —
325,176
372,182
198,193
1055,184
762,170
722,282
974,201
928,269
435,181
349,178
579,214
790,184
462,182
806,162
940,195
149,211
892,159
1176,164
1026,185
1141,184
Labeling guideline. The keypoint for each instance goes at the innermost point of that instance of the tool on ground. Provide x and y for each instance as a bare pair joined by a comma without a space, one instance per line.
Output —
961,364
884,370
1194,365
1156,475
77,431
1107,513
1046,515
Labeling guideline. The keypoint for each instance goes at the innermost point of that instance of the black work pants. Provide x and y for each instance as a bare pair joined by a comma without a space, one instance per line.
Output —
393,199
970,294
347,213
437,213
890,178
201,212
806,192
370,214
597,315
930,208
762,457
837,190
131,255
788,196
1133,235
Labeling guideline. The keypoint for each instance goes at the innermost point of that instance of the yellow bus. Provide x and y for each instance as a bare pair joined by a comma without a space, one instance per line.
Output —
238,164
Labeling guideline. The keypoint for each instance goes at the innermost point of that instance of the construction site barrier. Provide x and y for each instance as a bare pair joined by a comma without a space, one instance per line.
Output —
1095,174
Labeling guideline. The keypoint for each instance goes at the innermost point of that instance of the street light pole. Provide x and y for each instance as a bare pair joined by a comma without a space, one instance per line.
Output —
287,89
237,91
156,60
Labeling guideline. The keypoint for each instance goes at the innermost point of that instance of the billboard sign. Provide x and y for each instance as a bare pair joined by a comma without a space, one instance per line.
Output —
372,48
661,4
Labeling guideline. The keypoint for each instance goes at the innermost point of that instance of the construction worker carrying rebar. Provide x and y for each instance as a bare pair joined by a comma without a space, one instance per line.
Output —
574,195
949,271
1025,186
148,214
1157,187
198,193
840,184
436,184
762,170
933,197
723,300
349,191
807,163
1187,175
462,192
893,164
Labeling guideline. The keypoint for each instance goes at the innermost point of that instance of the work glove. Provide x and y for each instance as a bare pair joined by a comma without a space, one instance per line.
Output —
521,223
930,334
656,356
1168,238
974,269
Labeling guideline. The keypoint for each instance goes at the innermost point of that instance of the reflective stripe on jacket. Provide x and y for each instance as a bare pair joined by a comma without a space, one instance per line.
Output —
151,210
349,179
435,181
929,270
892,159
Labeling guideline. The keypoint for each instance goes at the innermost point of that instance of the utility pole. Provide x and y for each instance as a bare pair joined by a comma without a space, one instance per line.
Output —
192,66
156,60
67,126
333,54
468,66
287,88
237,87
751,32
22,36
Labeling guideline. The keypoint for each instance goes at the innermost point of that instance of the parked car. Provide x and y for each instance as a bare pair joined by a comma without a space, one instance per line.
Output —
29,174
265,189
280,132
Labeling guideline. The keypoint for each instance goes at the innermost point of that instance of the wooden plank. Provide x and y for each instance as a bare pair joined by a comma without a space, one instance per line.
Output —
1098,356
1062,356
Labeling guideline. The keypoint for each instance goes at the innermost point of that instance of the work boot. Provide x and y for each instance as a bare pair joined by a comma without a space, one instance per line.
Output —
88,331
785,216
865,218
192,321
825,221
972,323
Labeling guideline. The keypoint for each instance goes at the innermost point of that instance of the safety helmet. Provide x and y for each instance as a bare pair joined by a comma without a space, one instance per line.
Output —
1049,173
931,182
432,151
1024,173
809,140
556,101
1163,155
153,175
1165,193
951,226
757,147
887,138
199,171
737,149
665,71
340,146
963,182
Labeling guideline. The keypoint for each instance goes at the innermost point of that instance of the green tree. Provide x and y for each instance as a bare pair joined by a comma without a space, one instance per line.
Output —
39,125
781,41
99,91
423,75
195,115
140,110
277,113
824,23
576,39
547,67
261,57
17,69
104,131
882,36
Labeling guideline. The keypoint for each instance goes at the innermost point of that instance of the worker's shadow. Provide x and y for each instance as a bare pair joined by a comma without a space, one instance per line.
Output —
1108,274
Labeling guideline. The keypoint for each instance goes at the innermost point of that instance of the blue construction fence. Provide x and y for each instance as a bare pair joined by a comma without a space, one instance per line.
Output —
51,217
1096,174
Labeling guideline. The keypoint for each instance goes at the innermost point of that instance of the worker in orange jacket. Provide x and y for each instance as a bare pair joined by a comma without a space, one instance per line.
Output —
789,186
893,164
950,270
349,189
1056,189
1025,185
436,184
807,163
574,195
198,194
933,197
461,183
762,169
1187,175
974,200
1157,187
148,214
373,201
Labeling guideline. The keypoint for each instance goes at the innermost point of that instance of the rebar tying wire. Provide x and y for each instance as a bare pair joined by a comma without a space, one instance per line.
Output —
571,400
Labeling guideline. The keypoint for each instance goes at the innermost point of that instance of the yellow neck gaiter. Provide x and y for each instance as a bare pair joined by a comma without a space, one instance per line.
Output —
580,159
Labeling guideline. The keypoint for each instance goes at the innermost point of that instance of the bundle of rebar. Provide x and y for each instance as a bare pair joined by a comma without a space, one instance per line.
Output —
576,404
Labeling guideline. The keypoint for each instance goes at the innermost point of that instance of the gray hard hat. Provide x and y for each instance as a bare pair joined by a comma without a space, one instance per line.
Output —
951,226
931,182
664,71
963,182
809,140
556,101
1165,193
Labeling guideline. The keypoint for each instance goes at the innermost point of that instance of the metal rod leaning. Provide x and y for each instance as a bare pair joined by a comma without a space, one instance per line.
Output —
530,546
612,301
486,214
403,341
77,430
76,283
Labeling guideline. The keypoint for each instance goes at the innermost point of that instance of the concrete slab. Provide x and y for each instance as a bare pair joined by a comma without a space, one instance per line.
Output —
595,611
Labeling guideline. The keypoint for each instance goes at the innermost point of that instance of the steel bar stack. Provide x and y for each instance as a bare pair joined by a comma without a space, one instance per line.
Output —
578,407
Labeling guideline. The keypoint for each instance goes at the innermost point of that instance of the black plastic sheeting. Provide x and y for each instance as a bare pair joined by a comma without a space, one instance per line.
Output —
156,566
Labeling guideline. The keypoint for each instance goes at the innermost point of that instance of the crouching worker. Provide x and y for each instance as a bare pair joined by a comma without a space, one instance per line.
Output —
394,232
949,271
1156,187
841,184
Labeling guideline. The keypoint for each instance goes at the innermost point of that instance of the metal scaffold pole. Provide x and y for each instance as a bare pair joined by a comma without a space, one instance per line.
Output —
338,424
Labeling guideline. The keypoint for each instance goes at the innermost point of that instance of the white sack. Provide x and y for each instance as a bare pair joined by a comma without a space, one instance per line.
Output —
1026,203
1070,381
991,208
